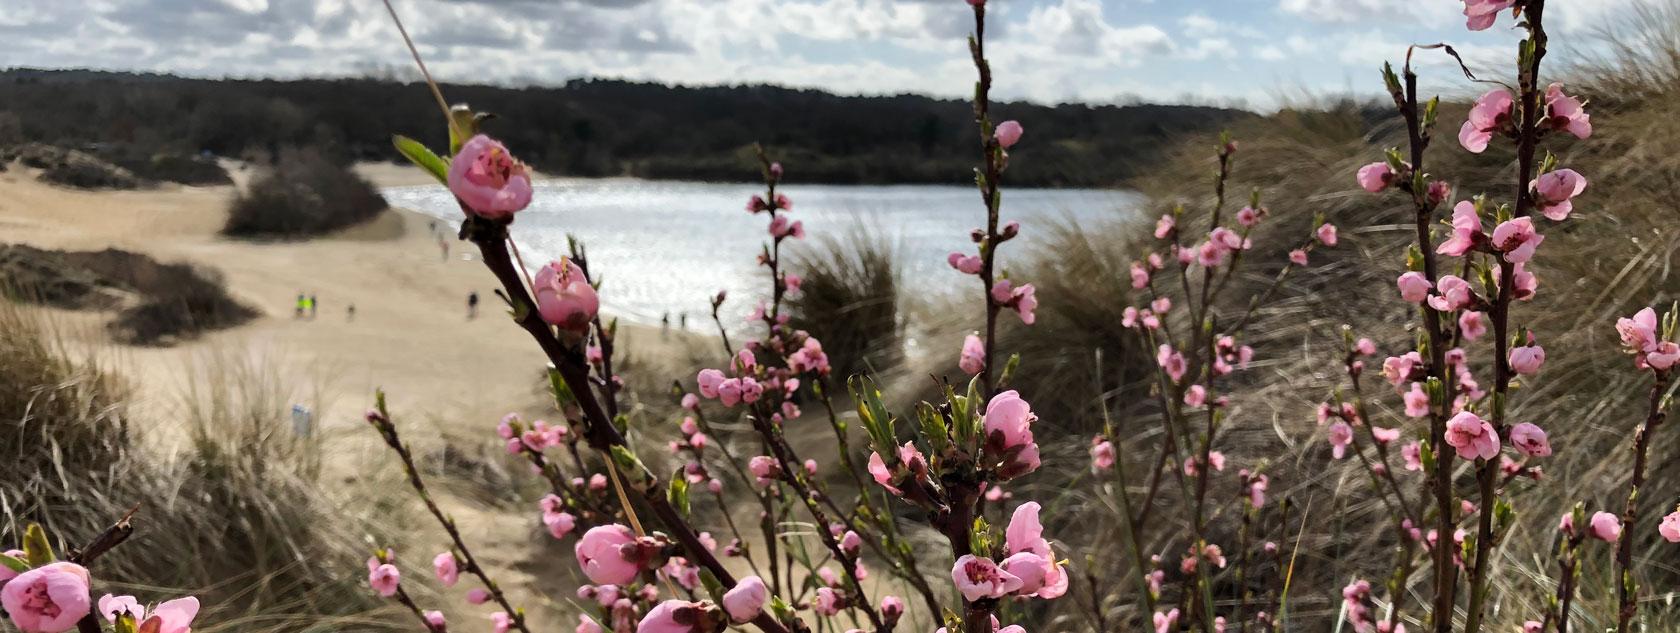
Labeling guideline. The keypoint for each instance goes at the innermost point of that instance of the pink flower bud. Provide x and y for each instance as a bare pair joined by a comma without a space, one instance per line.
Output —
746,600
601,555
564,298
1606,527
1007,133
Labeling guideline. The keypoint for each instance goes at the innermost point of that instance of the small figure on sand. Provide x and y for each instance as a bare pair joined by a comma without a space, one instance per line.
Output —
665,324
312,307
682,321
472,305
350,313
302,304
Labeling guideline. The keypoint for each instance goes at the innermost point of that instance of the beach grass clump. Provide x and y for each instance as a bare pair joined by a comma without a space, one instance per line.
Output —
303,194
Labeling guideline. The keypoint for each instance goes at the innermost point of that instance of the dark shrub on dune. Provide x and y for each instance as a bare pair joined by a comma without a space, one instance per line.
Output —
303,195
849,301
161,303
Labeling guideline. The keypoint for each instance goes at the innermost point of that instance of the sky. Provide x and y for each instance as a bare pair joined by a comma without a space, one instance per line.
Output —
1258,54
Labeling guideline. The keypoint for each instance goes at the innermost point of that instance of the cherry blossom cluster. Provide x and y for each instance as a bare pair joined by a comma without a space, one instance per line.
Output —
41,594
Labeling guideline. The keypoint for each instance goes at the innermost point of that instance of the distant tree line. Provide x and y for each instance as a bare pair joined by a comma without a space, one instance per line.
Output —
594,127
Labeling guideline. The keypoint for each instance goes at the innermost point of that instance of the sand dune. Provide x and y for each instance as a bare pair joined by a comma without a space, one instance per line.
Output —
410,333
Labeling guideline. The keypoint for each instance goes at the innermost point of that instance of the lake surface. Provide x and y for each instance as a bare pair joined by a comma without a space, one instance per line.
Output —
665,247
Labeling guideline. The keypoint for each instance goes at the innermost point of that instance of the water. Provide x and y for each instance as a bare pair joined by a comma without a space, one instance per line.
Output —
666,247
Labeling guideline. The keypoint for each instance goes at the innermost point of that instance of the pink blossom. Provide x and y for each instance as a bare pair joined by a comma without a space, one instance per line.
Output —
1007,133
1417,401
765,469
1025,535
1022,299
1453,293
477,596
112,606
746,601
709,380
488,180
1664,356
1467,230
1247,216
564,298
673,616
560,524
783,202
878,470
729,392
1412,452
1566,113
1398,369
1298,257
1526,360
1492,113
1384,436
601,555
969,264
500,622
1639,333
1009,418
1472,324
1140,275
1341,436
1172,361
1164,226
1530,440
1102,454
1257,486
1523,283
828,602
973,358
1517,239
1326,234
892,607
1606,527
1195,396
1472,436
1376,177
1553,191
1365,346
980,578
1480,14
383,577
1414,287
174,616
435,620
446,569
1670,527
1166,622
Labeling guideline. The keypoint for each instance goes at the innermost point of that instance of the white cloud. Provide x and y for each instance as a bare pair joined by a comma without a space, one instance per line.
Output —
1432,12
1270,53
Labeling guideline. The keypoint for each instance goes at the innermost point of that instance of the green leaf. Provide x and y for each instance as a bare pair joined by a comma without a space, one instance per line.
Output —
422,157
677,493
15,564
35,546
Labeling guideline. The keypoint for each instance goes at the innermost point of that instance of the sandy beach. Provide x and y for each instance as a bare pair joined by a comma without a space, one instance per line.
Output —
410,333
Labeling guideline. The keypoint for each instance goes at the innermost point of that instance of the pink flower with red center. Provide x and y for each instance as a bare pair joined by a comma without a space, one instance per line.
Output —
1517,239
1566,113
383,577
1031,558
980,578
1247,216
488,181
1554,190
47,599
1399,369
1102,454
1639,333
445,568
1416,401
1298,257
1172,361
1472,437
1530,440
1467,230
1375,177
1472,325
1492,113
1412,453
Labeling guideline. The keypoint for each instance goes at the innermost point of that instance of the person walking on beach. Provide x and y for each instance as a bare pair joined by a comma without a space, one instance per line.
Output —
312,307
350,313
472,305
297,312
